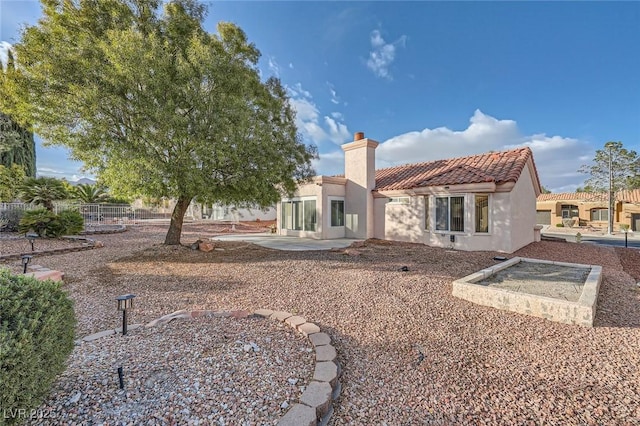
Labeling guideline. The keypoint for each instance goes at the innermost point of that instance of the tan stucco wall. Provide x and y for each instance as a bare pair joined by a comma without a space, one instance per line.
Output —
379,217
405,222
359,170
323,193
523,212
511,222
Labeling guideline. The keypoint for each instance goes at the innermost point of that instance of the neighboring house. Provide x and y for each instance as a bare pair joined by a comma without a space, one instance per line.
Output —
481,202
589,209
216,212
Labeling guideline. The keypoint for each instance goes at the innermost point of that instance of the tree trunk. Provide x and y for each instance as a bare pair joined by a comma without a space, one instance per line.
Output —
177,217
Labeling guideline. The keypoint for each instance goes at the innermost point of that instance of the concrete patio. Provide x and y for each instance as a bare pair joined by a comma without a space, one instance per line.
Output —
280,242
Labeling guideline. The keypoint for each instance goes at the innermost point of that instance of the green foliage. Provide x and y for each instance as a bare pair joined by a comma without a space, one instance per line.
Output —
42,191
11,219
47,224
560,225
41,221
71,222
11,178
625,165
89,194
17,145
156,106
36,337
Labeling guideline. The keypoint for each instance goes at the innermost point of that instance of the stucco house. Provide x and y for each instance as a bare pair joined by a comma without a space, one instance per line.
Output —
480,202
589,209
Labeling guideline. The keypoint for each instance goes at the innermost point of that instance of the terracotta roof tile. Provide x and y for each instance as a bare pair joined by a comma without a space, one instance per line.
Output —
498,167
632,196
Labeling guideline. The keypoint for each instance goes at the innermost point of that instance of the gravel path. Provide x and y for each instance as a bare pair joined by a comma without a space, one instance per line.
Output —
411,353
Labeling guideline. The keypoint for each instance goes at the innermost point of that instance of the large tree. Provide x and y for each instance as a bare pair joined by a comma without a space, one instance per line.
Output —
17,145
625,169
155,105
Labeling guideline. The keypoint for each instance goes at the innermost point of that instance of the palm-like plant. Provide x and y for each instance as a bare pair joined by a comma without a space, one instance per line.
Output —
42,191
90,194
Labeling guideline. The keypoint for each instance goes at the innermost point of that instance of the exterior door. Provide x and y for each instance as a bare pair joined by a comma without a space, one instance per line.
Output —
635,222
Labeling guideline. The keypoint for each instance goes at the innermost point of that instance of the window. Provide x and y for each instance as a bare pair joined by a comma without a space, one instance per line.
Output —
600,214
309,215
399,200
426,212
337,212
482,213
569,211
450,214
299,215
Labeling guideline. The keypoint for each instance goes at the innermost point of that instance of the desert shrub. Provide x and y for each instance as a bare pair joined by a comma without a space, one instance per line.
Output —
41,221
36,336
71,221
11,219
560,225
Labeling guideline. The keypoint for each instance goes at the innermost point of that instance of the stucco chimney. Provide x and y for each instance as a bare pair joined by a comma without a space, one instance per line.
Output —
360,172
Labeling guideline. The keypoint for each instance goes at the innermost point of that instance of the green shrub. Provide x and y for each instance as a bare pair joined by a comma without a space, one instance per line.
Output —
41,221
560,225
71,221
12,218
36,336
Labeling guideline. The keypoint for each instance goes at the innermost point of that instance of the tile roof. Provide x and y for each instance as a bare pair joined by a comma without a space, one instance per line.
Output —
498,167
629,196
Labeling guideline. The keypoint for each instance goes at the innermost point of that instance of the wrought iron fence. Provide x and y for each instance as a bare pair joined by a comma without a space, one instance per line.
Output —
104,213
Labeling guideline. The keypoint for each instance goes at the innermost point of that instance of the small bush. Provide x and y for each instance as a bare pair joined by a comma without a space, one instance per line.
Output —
560,225
36,336
49,225
41,221
12,219
71,221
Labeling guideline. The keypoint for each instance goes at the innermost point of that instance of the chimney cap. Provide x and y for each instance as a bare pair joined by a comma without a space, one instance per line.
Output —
358,136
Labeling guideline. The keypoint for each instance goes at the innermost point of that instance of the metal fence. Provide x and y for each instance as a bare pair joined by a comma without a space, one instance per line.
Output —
104,213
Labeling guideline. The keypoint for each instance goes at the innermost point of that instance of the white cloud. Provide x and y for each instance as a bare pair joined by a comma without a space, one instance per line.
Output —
338,132
314,130
383,54
334,95
290,65
557,158
273,66
298,91
4,49
330,163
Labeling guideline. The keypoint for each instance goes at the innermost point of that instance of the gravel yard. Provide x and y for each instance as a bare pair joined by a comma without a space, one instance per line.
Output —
410,352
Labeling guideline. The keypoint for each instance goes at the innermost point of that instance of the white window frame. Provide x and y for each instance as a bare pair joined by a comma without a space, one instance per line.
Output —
344,211
464,213
301,200
489,210
426,222
402,199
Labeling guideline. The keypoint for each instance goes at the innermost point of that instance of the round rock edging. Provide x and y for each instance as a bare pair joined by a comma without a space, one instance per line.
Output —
315,406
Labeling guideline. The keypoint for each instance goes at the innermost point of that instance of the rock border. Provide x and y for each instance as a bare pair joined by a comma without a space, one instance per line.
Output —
120,229
88,244
315,406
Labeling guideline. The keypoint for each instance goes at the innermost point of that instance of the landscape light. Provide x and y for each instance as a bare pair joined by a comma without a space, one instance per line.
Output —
125,302
32,238
26,258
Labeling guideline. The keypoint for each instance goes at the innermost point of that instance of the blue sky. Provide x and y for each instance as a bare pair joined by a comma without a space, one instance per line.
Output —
433,80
